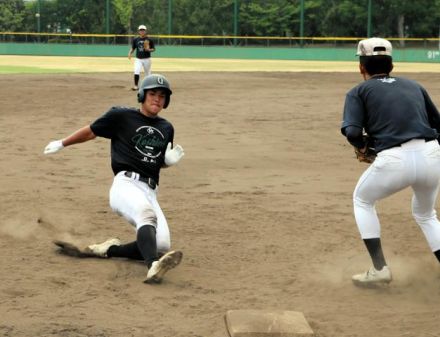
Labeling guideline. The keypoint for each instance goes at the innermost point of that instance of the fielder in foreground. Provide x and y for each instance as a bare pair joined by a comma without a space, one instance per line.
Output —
141,144
395,117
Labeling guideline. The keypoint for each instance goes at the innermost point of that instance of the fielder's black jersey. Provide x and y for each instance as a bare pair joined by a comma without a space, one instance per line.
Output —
138,142
142,44
391,110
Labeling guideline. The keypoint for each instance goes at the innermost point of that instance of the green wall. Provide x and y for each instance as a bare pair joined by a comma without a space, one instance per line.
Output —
267,53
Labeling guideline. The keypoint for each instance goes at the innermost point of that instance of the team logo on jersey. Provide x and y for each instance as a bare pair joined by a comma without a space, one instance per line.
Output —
387,80
149,141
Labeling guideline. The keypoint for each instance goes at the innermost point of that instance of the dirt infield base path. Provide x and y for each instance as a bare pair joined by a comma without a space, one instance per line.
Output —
260,206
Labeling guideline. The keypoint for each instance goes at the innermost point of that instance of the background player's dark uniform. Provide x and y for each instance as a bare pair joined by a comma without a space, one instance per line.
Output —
143,46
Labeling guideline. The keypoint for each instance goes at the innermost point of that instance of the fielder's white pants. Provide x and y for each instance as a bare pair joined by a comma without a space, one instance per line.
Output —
137,203
142,63
416,164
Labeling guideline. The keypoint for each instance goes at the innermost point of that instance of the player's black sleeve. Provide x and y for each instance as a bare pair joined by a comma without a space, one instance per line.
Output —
107,125
354,111
431,109
354,136
134,44
171,139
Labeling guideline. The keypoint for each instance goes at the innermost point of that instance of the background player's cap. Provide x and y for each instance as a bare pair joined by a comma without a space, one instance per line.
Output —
374,46
142,27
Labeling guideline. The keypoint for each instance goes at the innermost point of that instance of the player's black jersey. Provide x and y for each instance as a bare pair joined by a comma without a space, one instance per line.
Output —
142,44
138,142
392,110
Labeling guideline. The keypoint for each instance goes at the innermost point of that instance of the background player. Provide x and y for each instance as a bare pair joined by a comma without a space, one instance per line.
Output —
141,144
144,46
400,119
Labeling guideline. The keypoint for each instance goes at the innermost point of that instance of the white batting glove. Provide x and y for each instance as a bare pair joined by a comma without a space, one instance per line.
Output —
173,155
54,146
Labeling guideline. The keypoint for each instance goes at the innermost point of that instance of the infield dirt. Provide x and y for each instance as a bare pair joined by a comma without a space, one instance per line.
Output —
260,205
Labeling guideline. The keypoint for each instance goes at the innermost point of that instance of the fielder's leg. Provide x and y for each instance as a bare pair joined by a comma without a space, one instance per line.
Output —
136,81
374,248
426,190
137,72
426,217
437,255
386,176
147,66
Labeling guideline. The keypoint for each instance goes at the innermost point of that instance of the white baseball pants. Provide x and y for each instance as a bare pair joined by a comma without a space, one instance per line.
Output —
416,164
142,63
137,203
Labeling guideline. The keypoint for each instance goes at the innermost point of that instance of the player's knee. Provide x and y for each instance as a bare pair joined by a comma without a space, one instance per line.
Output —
423,218
163,246
147,217
358,202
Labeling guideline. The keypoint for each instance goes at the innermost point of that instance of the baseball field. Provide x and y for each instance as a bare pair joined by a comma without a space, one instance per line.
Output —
260,205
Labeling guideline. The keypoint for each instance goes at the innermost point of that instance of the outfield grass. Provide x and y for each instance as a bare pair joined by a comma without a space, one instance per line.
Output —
8,69
14,64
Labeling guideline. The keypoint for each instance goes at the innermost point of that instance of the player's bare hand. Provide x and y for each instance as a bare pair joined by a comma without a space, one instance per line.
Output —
54,147
173,155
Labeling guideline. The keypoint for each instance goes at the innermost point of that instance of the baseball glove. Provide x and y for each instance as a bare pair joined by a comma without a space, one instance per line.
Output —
366,155
70,249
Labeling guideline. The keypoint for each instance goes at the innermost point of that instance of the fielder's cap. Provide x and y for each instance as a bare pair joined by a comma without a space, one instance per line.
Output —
374,46
142,27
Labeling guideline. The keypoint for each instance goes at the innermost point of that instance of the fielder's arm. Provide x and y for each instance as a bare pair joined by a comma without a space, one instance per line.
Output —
80,136
354,136
433,113
130,53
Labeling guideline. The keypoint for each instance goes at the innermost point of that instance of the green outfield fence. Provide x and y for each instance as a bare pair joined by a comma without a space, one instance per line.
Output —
229,47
